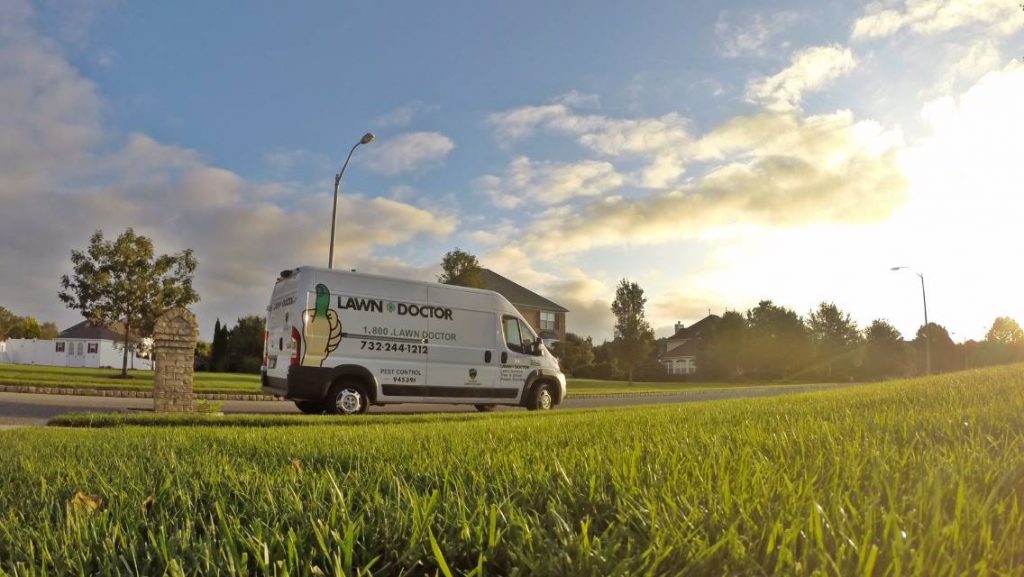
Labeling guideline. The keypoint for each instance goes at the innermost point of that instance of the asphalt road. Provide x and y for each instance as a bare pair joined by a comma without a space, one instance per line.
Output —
22,409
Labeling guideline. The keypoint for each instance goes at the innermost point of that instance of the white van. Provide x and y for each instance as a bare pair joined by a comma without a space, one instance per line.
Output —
339,342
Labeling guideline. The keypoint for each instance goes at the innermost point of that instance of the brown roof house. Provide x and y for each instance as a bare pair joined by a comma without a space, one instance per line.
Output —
679,353
544,316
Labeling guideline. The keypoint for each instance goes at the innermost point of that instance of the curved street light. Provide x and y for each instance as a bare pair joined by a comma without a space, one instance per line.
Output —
366,139
927,327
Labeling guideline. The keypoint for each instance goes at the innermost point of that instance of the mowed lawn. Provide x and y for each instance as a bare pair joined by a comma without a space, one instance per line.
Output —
110,379
242,383
919,477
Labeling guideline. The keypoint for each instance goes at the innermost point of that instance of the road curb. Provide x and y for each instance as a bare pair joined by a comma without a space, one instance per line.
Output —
123,394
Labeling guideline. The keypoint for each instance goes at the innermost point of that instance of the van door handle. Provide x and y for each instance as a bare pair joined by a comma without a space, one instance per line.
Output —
504,357
487,356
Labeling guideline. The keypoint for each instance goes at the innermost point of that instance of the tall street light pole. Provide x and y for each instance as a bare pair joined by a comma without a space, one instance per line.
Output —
366,139
927,327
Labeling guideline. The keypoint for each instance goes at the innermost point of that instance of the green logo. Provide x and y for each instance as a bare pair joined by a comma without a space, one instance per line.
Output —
391,307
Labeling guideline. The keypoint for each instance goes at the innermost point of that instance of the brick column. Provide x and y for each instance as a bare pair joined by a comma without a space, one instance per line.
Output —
174,346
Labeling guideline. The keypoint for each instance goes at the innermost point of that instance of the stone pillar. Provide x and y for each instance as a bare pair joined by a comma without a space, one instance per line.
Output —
174,346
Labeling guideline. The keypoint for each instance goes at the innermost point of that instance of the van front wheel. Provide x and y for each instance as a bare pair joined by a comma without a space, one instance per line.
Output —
347,399
540,398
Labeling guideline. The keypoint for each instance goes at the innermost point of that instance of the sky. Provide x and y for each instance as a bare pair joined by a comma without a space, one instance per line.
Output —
716,153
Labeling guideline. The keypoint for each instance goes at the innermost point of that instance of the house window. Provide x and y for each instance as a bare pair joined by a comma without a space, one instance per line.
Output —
94,348
547,321
60,346
79,348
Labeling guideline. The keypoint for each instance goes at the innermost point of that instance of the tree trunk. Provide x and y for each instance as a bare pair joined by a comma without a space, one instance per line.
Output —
124,363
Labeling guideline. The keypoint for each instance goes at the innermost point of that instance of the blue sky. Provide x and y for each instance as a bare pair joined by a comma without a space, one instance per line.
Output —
716,153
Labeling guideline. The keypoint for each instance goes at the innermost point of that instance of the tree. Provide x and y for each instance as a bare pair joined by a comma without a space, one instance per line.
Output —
1005,330
462,269
574,353
943,350
25,328
885,352
725,349
48,330
1004,343
835,337
245,344
218,348
121,281
634,339
7,320
778,345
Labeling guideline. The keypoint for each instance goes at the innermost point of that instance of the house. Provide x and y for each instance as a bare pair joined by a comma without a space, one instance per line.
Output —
679,353
544,316
82,345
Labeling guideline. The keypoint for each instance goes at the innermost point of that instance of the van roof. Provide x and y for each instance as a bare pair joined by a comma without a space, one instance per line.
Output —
326,270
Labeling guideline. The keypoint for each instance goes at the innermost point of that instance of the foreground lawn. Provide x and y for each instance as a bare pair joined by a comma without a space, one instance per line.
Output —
920,477
109,379
239,383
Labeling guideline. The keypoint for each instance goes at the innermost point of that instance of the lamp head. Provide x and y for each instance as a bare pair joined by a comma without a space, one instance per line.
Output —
367,138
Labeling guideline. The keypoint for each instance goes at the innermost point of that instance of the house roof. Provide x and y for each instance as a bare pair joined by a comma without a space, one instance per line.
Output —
86,330
697,329
517,294
687,349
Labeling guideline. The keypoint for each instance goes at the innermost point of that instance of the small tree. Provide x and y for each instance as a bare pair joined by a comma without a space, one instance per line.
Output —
885,352
634,339
835,338
461,268
574,353
725,348
122,281
218,347
778,345
245,344
7,320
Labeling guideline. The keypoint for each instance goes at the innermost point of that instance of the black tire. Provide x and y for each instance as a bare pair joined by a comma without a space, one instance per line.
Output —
484,408
347,398
541,398
310,407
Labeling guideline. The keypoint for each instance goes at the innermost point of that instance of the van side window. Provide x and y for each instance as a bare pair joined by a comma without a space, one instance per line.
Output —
513,338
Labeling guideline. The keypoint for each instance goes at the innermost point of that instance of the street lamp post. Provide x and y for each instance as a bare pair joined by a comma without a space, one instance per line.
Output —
366,139
927,327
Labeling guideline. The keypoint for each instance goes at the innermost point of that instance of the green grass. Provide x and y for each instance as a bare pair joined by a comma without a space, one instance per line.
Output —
239,383
922,477
45,376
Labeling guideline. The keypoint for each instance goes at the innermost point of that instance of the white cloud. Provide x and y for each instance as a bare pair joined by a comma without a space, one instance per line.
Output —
982,56
577,99
660,141
749,34
408,152
810,69
772,169
930,17
549,182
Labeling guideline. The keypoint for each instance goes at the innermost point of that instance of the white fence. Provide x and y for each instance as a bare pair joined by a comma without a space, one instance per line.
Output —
68,353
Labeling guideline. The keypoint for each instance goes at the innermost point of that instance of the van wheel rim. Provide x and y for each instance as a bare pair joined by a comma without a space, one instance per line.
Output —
348,401
545,400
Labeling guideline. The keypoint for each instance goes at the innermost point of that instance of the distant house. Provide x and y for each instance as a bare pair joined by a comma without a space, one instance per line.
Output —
546,317
82,345
679,353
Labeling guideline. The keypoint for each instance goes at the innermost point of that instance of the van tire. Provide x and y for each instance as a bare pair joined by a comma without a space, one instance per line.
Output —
347,398
310,407
541,398
484,408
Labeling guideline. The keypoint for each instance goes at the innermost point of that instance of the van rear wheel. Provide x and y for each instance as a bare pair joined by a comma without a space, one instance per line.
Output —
540,398
310,407
347,398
